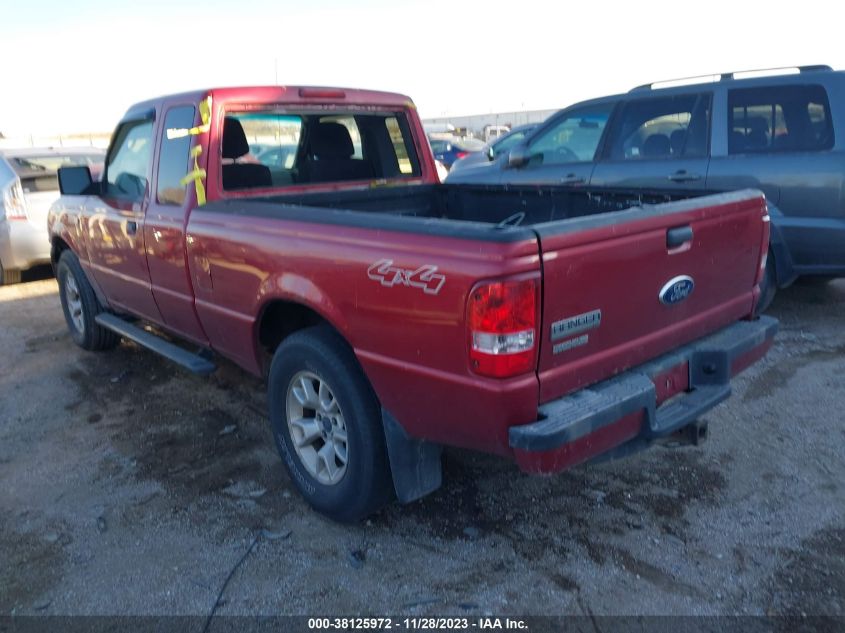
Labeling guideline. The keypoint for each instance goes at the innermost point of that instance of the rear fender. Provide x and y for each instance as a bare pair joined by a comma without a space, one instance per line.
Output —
298,289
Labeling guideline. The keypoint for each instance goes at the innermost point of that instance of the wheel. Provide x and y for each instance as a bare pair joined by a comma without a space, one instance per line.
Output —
80,306
9,276
327,425
768,287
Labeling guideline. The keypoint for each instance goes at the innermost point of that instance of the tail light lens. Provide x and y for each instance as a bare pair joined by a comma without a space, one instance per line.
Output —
14,204
502,322
462,154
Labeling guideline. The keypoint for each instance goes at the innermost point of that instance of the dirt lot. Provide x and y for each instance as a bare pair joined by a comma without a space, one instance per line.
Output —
128,486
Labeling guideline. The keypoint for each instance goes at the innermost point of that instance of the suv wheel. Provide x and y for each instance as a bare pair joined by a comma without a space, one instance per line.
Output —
768,287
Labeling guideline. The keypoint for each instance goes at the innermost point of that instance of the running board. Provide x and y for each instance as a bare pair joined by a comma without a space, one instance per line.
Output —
191,362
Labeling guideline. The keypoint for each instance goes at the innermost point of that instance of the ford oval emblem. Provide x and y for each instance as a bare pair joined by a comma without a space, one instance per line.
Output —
676,290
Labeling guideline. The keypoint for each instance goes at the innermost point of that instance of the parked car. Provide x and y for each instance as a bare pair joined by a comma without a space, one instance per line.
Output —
28,186
448,150
392,315
783,134
493,150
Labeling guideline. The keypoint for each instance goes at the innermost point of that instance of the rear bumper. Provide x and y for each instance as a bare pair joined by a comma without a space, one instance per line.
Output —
688,382
23,245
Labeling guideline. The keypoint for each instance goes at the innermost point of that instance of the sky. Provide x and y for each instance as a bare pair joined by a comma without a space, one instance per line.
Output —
71,67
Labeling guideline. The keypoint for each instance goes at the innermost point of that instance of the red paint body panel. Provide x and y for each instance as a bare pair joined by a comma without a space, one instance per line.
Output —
620,270
209,276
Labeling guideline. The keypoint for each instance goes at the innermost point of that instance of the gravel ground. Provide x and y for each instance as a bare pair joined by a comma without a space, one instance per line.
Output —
130,487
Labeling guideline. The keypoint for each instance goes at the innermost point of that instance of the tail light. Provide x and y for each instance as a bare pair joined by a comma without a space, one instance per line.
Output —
14,204
502,321
461,154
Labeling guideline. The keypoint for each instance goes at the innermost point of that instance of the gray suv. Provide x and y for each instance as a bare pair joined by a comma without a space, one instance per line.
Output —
783,134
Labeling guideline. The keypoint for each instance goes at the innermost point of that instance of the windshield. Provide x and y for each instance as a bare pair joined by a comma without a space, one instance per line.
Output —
509,141
38,172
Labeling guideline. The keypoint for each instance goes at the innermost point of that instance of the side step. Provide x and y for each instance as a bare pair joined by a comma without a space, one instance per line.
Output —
191,362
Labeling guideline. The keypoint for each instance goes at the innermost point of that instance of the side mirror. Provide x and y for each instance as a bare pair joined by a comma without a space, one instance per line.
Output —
491,153
518,156
76,181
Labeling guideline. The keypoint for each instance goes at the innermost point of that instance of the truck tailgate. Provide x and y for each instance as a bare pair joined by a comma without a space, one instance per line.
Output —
621,288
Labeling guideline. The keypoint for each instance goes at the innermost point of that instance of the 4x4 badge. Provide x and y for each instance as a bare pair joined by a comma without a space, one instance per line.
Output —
425,277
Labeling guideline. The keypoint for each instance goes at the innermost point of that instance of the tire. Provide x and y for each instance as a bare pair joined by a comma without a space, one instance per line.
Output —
8,277
768,287
346,481
80,306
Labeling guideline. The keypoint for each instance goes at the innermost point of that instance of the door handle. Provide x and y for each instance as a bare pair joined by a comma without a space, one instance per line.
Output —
571,179
131,227
678,236
682,175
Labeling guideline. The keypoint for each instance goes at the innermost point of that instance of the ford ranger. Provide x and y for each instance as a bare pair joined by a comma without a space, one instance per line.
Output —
303,234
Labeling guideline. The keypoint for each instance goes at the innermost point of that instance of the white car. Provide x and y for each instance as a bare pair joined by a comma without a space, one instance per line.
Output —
28,186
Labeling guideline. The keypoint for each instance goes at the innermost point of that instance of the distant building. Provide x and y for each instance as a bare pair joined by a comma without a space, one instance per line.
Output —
475,123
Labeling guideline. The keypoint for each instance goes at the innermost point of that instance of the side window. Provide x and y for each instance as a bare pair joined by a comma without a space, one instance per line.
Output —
665,127
128,160
779,119
574,138
173,158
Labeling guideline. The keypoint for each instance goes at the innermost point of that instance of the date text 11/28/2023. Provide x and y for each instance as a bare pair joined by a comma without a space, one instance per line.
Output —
421,623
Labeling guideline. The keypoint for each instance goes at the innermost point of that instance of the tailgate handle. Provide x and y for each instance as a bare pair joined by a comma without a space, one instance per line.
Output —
678,236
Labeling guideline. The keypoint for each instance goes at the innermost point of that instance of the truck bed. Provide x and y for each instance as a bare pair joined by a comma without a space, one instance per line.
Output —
481,207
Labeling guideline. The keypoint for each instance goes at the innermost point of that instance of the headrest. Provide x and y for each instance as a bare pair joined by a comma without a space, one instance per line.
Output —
234,139
331,140
656,145
676,140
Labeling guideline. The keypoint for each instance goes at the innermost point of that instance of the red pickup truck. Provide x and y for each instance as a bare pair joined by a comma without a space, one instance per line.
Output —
303,234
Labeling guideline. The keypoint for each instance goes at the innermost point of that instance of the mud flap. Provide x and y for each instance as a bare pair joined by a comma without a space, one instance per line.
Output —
414,464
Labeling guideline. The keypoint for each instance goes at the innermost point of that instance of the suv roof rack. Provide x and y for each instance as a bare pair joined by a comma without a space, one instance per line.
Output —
712,78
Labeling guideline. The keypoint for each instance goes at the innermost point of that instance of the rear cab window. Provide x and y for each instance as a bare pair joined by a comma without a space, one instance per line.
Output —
661,128
279,148
779,119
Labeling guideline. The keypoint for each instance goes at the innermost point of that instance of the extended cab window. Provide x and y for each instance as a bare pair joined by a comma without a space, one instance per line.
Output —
128,160
173,157
779,119
665,127
573,138
277,149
